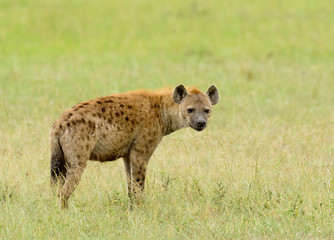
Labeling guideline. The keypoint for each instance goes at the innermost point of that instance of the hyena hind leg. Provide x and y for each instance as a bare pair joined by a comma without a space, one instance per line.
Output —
73,176
61,183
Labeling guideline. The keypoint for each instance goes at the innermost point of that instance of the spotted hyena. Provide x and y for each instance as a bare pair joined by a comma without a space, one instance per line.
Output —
126,125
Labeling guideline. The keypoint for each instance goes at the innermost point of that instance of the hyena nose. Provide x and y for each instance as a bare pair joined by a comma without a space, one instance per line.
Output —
200,123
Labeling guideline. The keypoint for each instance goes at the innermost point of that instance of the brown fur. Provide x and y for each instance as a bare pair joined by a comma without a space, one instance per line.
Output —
126,125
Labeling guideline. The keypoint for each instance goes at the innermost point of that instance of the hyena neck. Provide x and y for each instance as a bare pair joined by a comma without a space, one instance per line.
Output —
171,117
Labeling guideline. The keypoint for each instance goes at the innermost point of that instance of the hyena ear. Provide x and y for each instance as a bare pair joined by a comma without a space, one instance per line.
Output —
179,93
213,94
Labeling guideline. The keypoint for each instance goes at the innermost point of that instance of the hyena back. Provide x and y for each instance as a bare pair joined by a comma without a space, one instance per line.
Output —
126,125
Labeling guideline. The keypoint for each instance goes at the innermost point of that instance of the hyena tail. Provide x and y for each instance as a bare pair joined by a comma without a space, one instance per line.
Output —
58,168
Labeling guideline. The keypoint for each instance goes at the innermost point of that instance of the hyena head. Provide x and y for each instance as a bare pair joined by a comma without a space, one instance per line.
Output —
195,106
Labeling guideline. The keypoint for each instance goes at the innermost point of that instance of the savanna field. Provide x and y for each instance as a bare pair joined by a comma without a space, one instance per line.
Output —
263,168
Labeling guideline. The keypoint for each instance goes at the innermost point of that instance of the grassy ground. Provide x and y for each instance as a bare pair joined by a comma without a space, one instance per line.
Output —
263,168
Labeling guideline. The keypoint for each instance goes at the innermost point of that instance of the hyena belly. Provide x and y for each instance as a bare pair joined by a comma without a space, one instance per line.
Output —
109,148
113,142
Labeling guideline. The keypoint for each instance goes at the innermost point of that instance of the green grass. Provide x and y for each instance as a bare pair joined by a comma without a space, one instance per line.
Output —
263,169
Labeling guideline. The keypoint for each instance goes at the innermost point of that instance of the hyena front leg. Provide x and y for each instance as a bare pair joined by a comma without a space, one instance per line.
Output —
127,167
138,161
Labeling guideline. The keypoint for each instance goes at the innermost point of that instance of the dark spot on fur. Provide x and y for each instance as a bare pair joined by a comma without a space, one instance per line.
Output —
94,115
60,126
99,115
68,124
83,120
81,106
87,147
129,106
136,149
103,109
73,123
70,114
132,121
117,114
138,180
85,103
104,135
121,105
99,102
109,120
109,101
126,119
91,124
122,112
78,156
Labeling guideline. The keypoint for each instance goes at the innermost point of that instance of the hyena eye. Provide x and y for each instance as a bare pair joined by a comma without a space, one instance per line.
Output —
190,110
207,111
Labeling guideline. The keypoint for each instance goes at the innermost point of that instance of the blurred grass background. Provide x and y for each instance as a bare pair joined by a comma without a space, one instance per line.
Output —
262,169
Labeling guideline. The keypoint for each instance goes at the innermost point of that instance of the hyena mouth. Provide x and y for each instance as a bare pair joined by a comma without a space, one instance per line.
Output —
197,128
